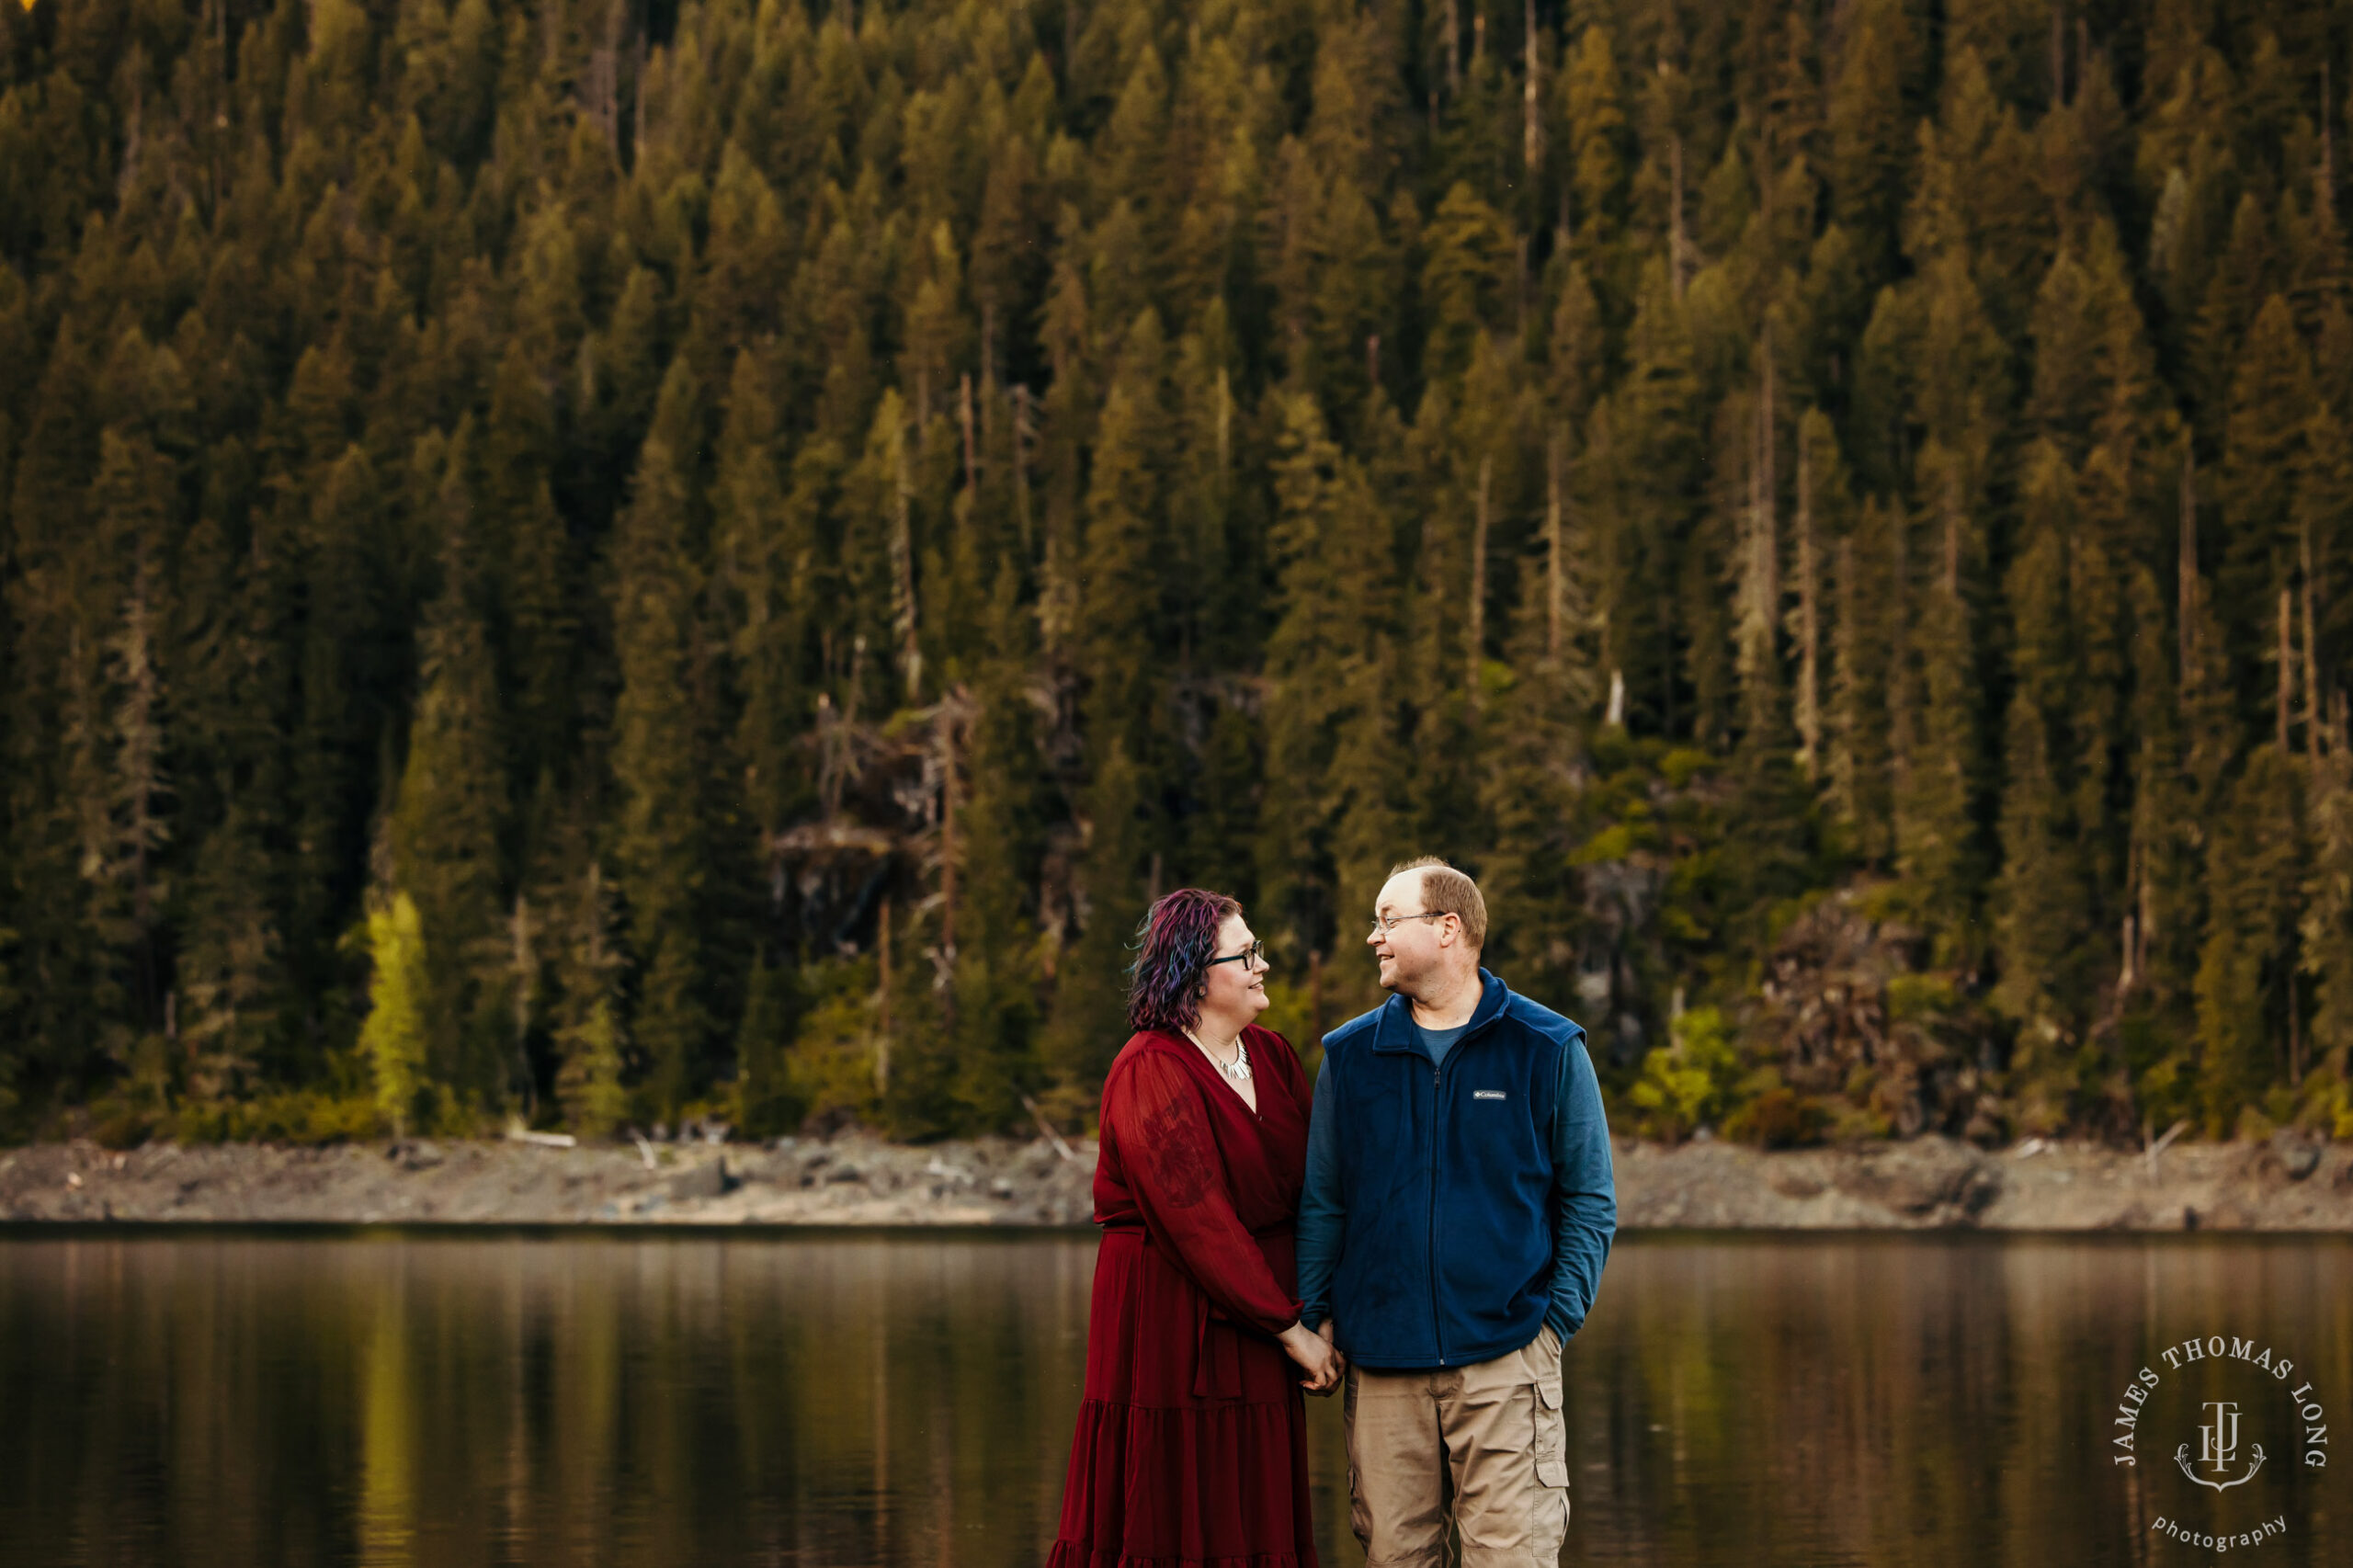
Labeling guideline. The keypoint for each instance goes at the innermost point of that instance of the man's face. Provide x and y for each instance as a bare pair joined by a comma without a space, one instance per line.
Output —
1409,949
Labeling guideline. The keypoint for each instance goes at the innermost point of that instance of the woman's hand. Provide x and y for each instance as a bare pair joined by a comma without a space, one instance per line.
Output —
1315,1355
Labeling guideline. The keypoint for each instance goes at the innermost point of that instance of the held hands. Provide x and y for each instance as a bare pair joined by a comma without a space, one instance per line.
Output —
1313,1350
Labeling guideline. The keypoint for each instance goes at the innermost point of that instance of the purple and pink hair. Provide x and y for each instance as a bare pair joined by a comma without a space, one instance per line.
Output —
1173,946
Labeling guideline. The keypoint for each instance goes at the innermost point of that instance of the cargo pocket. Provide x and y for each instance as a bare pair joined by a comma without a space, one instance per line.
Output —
1548,1524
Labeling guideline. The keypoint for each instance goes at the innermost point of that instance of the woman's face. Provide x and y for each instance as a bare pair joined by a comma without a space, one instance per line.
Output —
1237,988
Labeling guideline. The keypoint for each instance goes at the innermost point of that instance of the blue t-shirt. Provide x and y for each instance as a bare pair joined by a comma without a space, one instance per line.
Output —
1435,1043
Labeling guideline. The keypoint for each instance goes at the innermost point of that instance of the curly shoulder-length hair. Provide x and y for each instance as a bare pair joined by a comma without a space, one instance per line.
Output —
1173,946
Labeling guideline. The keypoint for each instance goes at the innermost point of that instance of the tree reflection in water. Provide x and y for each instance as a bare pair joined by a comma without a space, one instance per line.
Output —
905,1401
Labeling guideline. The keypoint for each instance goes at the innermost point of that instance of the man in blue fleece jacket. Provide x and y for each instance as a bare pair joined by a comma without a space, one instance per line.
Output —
1457,1212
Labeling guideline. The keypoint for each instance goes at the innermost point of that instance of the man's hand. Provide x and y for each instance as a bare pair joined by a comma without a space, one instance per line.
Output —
1339,1360
1311,1348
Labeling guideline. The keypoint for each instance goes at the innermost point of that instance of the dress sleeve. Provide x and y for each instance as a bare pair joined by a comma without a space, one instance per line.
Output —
1177,1174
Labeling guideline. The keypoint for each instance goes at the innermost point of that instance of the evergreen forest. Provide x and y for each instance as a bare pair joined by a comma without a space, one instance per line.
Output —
620,565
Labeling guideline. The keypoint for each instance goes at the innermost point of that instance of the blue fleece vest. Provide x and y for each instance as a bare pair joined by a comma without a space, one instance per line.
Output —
1447,1174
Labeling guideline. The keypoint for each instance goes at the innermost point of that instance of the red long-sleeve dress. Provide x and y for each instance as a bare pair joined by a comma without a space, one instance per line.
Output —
1192,1438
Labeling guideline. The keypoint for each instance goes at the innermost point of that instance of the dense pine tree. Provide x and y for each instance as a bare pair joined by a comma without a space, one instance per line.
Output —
709,560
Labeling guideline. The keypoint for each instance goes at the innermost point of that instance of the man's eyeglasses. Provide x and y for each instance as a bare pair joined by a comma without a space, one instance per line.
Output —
1384,924
1255,952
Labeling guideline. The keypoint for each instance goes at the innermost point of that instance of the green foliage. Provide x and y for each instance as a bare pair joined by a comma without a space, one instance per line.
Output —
285,1116
771,539
767,1101
834,1055
590,1042
1774,1116
394,1037
1686,1086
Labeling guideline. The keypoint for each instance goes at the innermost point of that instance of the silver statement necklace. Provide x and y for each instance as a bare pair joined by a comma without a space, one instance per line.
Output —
1238,1069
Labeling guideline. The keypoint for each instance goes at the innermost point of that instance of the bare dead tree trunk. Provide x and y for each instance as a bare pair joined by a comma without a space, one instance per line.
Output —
2286,662
2326,175
1898,650
1952,534
1453,25
882,1019
1555,567
1226,419
524,966
971,456
1477,636
2187,563
1674,241
1768,475
951,718
1532,128
1024,430
903,571
1759,592
1809,703
2127,967
2058,55
2296,1033
1520,293
2316,733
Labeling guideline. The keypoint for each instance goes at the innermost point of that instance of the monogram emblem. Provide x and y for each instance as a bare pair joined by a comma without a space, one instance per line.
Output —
2218,1445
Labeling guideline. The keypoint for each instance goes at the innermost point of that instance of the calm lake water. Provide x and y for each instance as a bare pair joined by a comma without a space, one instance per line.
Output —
855,1401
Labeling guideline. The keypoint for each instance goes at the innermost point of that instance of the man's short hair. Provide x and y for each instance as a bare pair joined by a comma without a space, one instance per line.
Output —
1446,891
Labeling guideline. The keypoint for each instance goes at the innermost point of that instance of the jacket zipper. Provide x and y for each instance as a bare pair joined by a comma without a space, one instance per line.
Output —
1438,1335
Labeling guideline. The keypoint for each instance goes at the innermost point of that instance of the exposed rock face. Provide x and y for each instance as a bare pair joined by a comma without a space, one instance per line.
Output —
708,1179
1854,1018
1926,1183
2296,1155
1932,1179
1942,1183
849,1180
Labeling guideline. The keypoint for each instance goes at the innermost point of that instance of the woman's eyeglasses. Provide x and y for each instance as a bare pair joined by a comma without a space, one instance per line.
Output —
1384,924
1255,952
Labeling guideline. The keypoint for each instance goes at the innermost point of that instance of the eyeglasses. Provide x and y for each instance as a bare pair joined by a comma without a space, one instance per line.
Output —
1256,953
1384,924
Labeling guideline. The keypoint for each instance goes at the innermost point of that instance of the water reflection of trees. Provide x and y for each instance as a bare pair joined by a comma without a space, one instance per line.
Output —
907,1403
1910,1400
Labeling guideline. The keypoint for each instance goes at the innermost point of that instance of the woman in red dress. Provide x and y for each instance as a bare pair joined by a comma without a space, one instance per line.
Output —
1192,1438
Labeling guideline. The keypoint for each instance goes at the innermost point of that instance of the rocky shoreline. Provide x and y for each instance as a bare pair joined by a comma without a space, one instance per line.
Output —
854,1180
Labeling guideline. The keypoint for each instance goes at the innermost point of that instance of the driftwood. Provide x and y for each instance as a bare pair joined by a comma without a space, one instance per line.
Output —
1048,1129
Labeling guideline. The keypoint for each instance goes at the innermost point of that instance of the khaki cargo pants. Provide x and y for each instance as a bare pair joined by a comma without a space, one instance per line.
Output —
1478,1448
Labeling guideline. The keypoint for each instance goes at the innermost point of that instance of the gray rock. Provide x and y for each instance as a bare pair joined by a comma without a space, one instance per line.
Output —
707,1180
2298,1155
1978,1189
1920,1178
